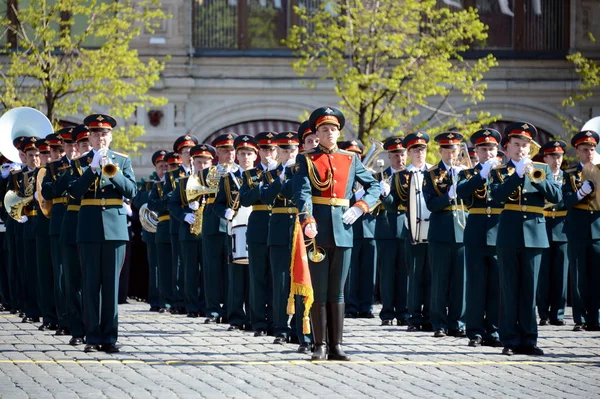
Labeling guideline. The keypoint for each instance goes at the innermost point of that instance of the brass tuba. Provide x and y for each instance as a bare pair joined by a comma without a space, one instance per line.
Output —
371,157
195,190
148,219
45,205
15,204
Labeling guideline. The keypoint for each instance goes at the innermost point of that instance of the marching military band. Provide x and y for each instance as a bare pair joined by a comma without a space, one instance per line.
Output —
466,248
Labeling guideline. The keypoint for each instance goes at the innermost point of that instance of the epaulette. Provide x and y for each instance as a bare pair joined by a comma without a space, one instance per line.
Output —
307,151
432,168
123,155
346,152
501,166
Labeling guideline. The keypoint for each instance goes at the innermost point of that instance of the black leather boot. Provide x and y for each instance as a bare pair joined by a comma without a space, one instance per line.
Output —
335,317
318,314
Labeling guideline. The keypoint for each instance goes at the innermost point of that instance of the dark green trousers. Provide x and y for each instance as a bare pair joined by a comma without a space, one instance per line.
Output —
4,287
237,294
261,287
153,290
280,270
586,261
60,297
73,289
296,328
215,256
360,285
21,268
46,279
552,282
30,277
12,268
419,289
393,279
101,265
329,276
519,270
447,262
483,292
177,273
165,285
191,255
576,300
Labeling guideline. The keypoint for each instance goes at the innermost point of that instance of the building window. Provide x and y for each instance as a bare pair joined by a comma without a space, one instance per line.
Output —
521,26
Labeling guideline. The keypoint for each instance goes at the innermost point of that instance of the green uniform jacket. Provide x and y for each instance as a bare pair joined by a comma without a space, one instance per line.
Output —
171,180
481,229
228,192
444,225
55,187
279,194
68,230
582,224
522,228
345,169
158,202
557,225
258,222
391,215
104,223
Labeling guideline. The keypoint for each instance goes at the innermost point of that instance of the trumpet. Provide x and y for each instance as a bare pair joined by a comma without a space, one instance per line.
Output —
109,169
315,253
536,175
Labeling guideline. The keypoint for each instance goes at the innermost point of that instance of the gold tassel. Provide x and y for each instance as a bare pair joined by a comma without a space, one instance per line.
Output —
306,325
290,304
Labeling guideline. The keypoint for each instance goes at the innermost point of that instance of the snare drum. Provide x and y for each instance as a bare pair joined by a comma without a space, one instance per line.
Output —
239,248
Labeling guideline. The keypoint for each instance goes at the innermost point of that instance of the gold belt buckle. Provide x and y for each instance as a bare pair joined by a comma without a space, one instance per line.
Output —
269,207
332,201
102,201
488,210
289,210
524,208
553,213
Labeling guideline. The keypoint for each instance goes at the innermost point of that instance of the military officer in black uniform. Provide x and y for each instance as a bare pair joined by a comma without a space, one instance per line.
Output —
68,238
524,187
482,285
102,231
261,295
323,188
446,249
554,268
214,233
583,232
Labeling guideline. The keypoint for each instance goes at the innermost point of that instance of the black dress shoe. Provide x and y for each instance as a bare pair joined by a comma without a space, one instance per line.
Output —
439,333
412,328
61,331
260,333
14,311
30,320
402,322
163,310
508,351
457,333
154,308
493,342
319,352
544,322
304,348
235,327
578,327
91,348
280,339
44,327
109,348
594,327
531,351
211,320
366,315
75,341
387,322
21,314
193,314
558,322
475,342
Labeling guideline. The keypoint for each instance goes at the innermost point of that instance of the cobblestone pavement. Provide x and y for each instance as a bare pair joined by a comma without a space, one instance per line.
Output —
167,356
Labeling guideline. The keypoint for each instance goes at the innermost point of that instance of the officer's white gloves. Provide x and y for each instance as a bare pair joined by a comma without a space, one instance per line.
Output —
385,188
310,231
487,167
127,208
189,218
452,192
194,205
523,166
352,214
6,170
229,213
23,219
35,195
272,164
585,190
282,174
359,194
97,159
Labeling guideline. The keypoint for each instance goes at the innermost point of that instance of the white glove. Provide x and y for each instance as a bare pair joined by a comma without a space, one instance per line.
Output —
6,170
127,208
352,215
385,188
452,192
310,231
272,164
585,190
229,213
23,219
194,205
487,167
359,194
282,174
189,218
35,195
260,185
455,170
97,158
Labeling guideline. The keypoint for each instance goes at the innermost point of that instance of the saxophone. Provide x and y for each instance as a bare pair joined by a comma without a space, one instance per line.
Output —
196,227
196,190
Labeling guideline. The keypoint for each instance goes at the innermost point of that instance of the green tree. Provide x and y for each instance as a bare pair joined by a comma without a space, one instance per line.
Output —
65,57
395,63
